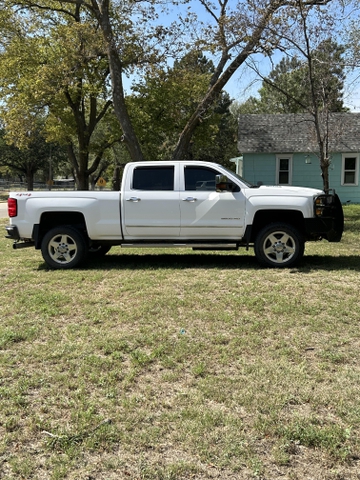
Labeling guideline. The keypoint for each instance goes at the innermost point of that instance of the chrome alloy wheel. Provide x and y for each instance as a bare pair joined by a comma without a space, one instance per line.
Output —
279,247
62,248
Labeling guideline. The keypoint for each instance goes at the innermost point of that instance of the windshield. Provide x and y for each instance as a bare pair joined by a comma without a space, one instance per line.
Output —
248,184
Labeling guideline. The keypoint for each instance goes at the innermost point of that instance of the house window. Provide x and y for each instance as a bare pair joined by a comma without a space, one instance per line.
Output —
350,168
283,170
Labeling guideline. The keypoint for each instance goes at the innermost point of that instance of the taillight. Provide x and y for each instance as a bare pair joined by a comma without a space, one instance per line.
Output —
12,207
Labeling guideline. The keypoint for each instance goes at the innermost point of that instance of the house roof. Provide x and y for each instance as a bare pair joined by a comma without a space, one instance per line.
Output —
289,133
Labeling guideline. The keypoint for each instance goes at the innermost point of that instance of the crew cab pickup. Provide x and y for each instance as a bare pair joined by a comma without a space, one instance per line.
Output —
200,205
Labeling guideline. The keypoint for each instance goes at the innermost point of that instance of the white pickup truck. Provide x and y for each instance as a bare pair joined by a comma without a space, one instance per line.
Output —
193,204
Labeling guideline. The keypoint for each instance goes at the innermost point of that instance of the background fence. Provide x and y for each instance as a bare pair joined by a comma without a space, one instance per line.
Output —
11,185
7,186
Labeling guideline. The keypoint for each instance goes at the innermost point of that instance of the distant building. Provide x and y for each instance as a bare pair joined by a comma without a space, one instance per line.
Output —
281,150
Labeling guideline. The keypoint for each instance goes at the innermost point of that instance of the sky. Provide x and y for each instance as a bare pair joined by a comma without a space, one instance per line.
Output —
245,82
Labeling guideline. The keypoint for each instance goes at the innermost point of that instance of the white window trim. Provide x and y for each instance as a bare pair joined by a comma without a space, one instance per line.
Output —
347,155
278,158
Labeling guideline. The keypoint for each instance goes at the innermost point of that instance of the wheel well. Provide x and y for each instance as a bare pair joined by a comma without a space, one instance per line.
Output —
50,220
265,217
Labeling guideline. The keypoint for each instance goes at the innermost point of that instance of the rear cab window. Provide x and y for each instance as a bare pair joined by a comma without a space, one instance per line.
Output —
153,178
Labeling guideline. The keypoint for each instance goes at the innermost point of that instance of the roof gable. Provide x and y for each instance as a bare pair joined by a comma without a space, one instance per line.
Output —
288,133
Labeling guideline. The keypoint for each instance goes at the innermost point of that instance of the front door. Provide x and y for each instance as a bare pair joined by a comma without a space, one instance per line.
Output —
207,213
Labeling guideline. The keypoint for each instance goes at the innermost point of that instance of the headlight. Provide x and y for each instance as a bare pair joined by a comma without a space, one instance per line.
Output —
322,202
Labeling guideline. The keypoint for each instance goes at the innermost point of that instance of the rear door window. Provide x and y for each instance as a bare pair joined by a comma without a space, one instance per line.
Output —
153,178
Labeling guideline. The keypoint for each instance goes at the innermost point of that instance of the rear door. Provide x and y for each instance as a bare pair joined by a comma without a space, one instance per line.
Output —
151,202
205,212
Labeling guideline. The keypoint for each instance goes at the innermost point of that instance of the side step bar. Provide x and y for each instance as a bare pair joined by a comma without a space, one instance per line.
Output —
194,246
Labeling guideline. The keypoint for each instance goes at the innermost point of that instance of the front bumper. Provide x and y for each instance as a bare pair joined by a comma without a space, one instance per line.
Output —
330,225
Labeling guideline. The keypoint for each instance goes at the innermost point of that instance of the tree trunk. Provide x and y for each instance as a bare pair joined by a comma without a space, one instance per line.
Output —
116,72
80,169
82,181
116,179
324,165
30,181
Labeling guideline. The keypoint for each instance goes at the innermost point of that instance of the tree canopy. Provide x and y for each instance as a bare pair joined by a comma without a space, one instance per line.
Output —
162,103
38,156
85,51
58,71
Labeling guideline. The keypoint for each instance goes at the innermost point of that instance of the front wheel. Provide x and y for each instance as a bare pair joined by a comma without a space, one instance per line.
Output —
279,245
63,247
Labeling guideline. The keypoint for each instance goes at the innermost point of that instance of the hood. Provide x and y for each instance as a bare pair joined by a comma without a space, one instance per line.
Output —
283,190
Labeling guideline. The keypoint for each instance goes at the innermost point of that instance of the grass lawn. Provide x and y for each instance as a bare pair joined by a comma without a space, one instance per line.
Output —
169,364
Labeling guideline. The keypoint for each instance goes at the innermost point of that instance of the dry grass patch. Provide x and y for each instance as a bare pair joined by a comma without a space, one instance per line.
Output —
174,365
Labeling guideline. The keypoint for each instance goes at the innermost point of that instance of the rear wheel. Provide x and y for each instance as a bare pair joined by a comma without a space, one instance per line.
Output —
63,247
279,245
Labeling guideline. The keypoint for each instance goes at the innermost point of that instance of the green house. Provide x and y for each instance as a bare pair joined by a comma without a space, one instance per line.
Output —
282,150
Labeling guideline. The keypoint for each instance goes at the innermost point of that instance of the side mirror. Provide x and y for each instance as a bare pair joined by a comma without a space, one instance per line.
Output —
222,183
220,179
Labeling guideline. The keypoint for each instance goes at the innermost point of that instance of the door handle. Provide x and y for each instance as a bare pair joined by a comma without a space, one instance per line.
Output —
189,199
133,199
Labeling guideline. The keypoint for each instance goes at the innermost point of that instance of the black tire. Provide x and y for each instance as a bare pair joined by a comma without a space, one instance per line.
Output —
98,251
279,245
63,247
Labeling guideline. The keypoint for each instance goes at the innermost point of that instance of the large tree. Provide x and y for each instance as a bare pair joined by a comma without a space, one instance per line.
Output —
311,82
161,105
232,32
58,69
324,80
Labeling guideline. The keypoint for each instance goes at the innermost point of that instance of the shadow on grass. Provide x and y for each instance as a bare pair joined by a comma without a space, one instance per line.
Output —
171,261
310,263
